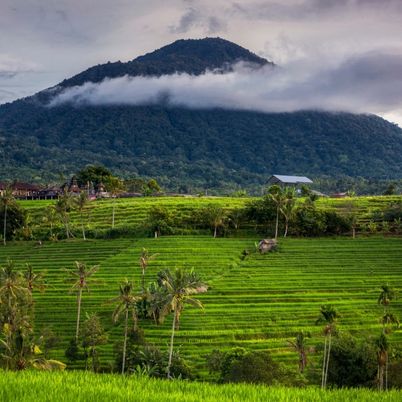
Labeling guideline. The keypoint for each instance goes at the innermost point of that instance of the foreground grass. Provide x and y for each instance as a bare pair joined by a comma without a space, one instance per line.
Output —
82,386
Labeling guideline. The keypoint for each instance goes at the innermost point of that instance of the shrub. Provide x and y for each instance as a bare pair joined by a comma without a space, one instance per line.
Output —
352,364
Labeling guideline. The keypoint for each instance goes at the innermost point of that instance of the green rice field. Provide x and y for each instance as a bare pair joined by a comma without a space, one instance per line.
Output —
258,303
131,212
78,386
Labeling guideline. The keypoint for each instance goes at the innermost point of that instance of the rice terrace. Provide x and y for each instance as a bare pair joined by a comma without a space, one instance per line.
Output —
254,303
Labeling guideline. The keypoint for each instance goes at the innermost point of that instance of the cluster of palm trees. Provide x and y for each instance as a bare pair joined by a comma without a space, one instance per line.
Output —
18,347
169,294
329,316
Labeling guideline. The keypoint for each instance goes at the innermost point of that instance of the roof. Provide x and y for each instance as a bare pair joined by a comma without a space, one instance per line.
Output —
291,179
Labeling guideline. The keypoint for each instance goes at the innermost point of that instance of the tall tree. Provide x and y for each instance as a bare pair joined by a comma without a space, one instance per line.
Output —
93,335
80,277
6,199
276,194
180,286
287,206
63,207
114,186
145,257
299,346
385,297
328,317
33,280
82,202
126,304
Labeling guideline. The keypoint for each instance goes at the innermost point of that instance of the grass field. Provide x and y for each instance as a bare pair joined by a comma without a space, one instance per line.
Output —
81,386
131,212
258,303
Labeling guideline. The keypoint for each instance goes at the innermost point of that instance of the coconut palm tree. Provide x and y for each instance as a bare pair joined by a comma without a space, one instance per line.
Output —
179,287
50,217
299,346
287,206
126,304
385,297
33,280
80,277
6,199
276,194
145,257
382,360
114,186
63,206
81,202
328,317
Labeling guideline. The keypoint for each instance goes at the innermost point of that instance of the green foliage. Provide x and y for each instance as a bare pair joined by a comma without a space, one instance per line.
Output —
15,221
159,221
353,363
238,365
94,174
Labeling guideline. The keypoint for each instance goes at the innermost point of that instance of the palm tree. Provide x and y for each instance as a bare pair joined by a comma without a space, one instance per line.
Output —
328,316
299,346
126,303
144,261
179,287
287,206
50,217
80,278
385,297
33,280
63,207
114,186
82,202
276,194
382,360
6,198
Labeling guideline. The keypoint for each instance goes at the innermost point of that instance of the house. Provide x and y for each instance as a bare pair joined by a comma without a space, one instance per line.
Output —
282,180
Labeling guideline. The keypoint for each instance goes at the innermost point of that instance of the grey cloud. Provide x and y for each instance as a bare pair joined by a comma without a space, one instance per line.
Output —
369,83
194,18
273,10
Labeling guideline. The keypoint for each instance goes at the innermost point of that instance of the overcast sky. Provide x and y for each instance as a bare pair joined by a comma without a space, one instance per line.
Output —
44,41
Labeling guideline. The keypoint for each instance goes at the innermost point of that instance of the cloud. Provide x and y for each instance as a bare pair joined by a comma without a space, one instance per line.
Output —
307,9
11,66
368,83
194,18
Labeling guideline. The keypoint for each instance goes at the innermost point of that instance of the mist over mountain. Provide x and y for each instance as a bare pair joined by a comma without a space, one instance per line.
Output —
160,115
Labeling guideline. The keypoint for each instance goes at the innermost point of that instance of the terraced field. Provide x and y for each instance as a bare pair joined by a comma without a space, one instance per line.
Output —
257,303
131,212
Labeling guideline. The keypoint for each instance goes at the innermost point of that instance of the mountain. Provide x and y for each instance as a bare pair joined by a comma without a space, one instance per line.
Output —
190,149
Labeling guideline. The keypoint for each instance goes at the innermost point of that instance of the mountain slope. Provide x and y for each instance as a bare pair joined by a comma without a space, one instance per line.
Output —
191,149
192,56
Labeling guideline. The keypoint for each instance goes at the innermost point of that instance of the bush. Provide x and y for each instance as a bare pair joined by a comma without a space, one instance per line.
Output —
352,363
238,365
336,224
15,219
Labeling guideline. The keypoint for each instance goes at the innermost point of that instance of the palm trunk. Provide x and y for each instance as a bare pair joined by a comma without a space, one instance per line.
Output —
215,231
5,224
277,222
171,345
324,362
286,228
82,226
113,214
123,365
328,355
77,330
386,374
